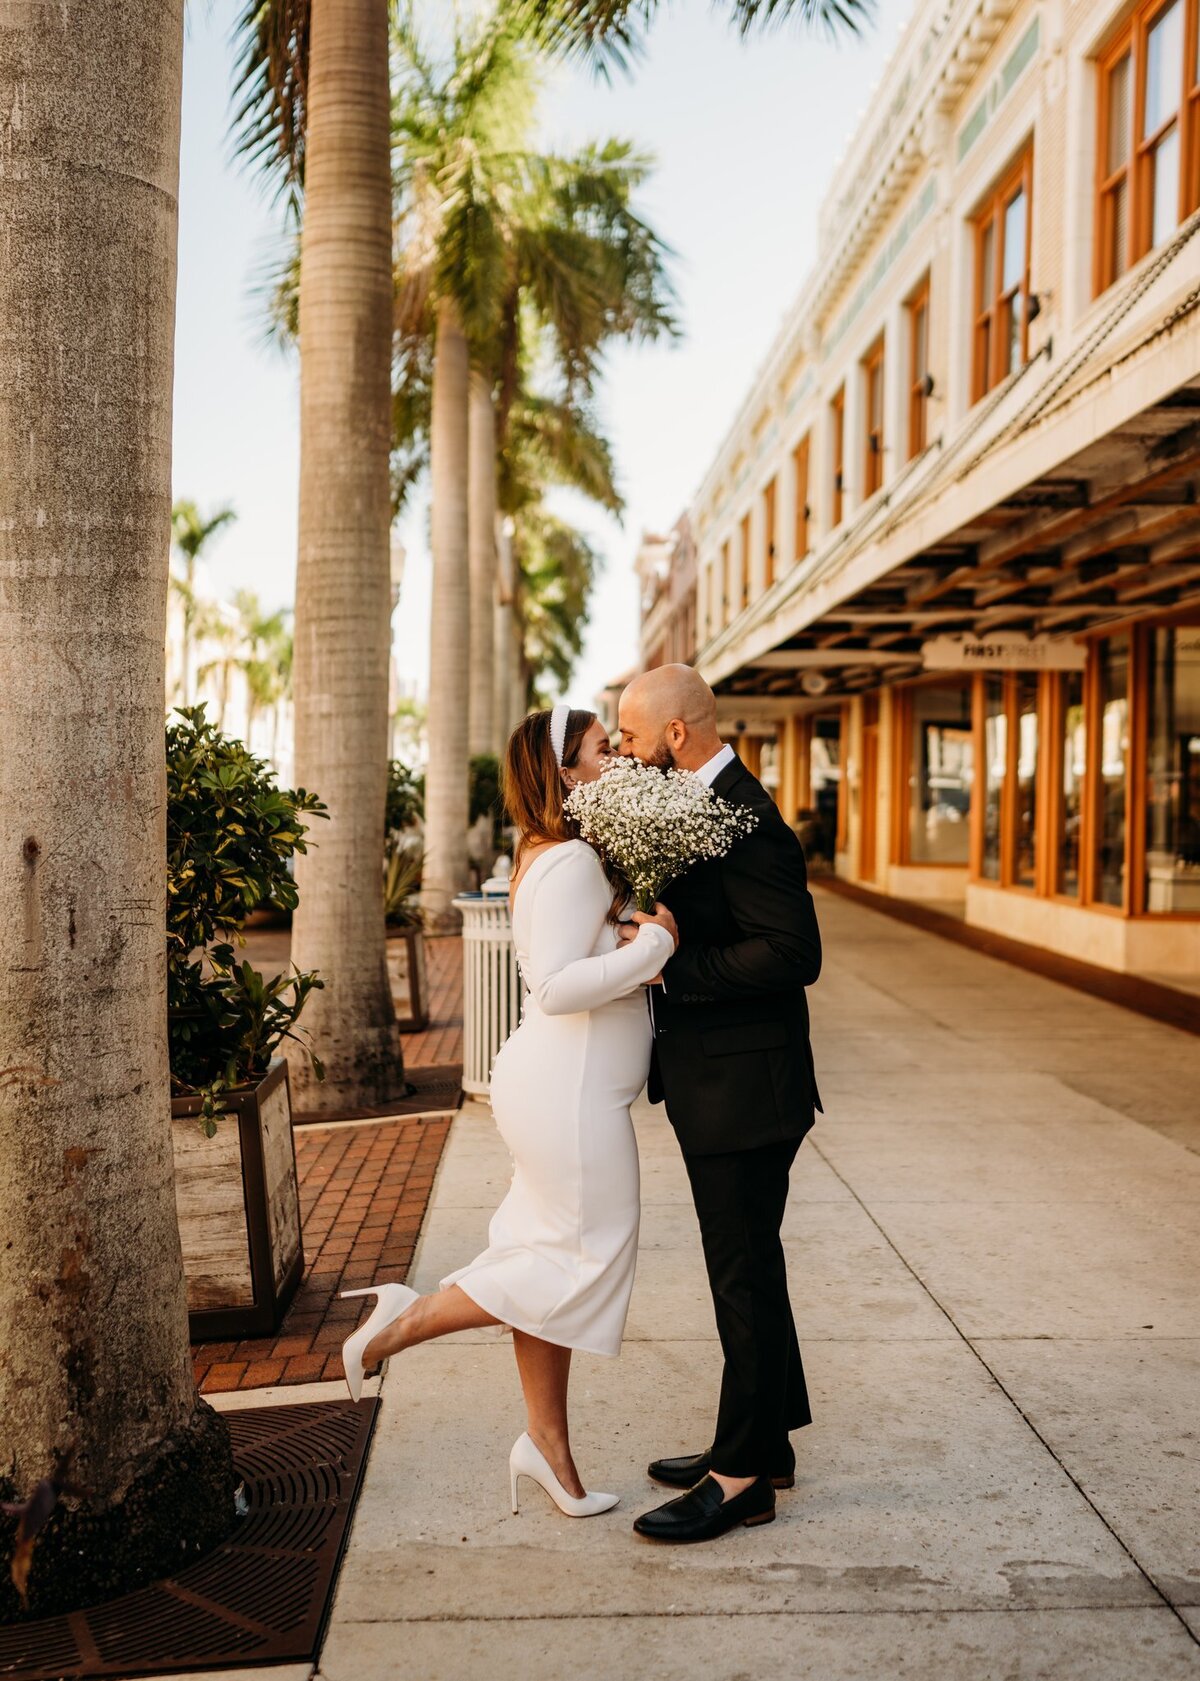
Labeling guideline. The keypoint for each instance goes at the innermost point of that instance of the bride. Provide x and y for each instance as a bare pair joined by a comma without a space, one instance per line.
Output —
558,1268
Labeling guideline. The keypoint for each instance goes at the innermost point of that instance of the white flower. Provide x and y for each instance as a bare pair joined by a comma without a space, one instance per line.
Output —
654,824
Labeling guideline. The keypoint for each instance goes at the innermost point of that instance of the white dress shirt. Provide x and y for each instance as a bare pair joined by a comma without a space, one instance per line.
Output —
709,772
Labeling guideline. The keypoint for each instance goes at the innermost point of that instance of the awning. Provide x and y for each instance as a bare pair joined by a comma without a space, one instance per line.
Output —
1068,500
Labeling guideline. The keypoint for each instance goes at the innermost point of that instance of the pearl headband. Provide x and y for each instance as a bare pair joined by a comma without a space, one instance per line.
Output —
558,731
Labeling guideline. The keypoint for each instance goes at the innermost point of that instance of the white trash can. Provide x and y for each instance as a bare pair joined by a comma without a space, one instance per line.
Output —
492,985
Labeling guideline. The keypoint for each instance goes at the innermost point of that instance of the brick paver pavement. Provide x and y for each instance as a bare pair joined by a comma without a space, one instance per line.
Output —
364,1186
442,1042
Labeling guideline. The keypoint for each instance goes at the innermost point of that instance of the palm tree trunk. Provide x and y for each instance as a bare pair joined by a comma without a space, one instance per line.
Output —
502,726
343,575
482,540
518,674
502,612
95,1367
447,789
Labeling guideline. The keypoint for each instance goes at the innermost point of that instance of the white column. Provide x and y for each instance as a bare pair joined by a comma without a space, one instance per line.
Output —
854,441
785,509
758,544
1079,176
895,391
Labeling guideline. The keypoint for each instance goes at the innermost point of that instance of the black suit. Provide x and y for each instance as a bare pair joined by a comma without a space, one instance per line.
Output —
733,1061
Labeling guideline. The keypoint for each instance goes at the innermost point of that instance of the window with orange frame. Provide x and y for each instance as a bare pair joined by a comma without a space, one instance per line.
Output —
1148,144
1003,236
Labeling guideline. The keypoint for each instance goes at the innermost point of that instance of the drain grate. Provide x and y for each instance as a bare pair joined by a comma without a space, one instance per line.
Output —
261,1596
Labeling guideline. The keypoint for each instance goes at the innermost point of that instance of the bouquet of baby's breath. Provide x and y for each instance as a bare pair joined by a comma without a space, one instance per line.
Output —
654,824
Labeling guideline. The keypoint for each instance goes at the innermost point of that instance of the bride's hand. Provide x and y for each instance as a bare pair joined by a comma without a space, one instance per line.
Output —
662,916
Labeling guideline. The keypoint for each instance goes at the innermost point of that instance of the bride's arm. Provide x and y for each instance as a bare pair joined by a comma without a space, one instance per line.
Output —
570,903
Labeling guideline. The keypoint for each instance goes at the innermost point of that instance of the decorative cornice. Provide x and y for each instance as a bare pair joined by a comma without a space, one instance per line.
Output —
940,51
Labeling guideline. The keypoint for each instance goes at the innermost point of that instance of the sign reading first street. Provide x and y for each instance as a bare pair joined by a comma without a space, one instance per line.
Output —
1002,653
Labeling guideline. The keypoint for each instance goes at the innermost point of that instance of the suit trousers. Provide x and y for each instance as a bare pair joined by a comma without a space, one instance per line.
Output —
740,1197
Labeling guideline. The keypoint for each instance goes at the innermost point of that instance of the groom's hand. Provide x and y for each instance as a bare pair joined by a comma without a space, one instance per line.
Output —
663,917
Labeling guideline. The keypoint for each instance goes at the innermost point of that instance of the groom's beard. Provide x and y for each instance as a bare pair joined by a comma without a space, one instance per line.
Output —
662,757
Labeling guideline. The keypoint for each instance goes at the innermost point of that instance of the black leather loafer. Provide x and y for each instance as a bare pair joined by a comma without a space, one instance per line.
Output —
692,1468
703,1513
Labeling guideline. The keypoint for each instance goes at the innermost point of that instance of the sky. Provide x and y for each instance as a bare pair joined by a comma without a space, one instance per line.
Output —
746,137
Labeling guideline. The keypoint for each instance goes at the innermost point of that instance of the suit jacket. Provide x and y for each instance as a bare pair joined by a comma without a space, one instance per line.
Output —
731,1052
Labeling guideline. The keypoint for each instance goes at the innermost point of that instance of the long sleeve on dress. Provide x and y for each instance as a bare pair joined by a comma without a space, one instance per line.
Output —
570,903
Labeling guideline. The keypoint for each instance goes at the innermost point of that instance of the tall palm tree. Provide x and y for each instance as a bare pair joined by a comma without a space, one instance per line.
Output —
550,441
493,232
265,661
190,532
96,1387
219,631
481,550
315,111
558,569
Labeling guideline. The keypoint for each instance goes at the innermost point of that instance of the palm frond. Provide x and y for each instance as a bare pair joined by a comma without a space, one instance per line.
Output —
271,89
834,17
611,34
412,414
471,263
553,441
276,290
191,530
606,34
557,568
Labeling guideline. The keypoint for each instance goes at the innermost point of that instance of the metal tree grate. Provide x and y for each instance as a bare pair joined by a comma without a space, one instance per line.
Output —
262,1595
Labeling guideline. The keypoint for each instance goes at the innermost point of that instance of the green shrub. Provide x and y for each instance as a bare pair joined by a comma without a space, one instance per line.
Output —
230,834
405,798
401,880
485,800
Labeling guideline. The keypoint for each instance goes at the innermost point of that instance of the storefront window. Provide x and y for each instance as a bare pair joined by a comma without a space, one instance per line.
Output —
942,771
1173,771
1074,764
1113,659
1025,809
995,757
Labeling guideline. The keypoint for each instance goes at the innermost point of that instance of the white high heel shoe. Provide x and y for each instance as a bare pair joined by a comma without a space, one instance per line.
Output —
528,1460
392,1300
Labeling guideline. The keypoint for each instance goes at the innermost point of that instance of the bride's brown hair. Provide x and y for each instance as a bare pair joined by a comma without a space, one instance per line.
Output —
533,790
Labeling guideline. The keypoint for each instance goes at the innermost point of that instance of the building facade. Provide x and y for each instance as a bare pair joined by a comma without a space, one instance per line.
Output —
666,573
948,555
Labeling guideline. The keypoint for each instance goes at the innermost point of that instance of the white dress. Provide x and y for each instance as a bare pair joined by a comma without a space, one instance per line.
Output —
562,1246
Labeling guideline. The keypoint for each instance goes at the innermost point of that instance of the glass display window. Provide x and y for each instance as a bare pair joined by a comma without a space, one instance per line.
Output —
1171,798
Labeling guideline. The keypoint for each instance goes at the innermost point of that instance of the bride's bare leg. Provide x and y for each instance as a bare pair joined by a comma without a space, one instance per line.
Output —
545,1369
428,1317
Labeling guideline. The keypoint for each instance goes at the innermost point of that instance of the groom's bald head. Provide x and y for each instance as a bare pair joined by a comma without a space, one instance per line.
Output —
668,717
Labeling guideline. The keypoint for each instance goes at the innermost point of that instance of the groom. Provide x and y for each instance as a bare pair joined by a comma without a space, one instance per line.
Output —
733,1061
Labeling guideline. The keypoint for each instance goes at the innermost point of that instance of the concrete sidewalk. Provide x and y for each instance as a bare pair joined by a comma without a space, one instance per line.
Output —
993,1246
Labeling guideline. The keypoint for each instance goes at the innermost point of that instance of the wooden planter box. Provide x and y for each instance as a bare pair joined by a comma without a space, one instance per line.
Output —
239,1210
409,977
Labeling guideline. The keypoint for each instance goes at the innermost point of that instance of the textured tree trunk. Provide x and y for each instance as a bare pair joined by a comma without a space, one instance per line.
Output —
95,1370
482,541
502,723
446,782
343,575
518,674
502,720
